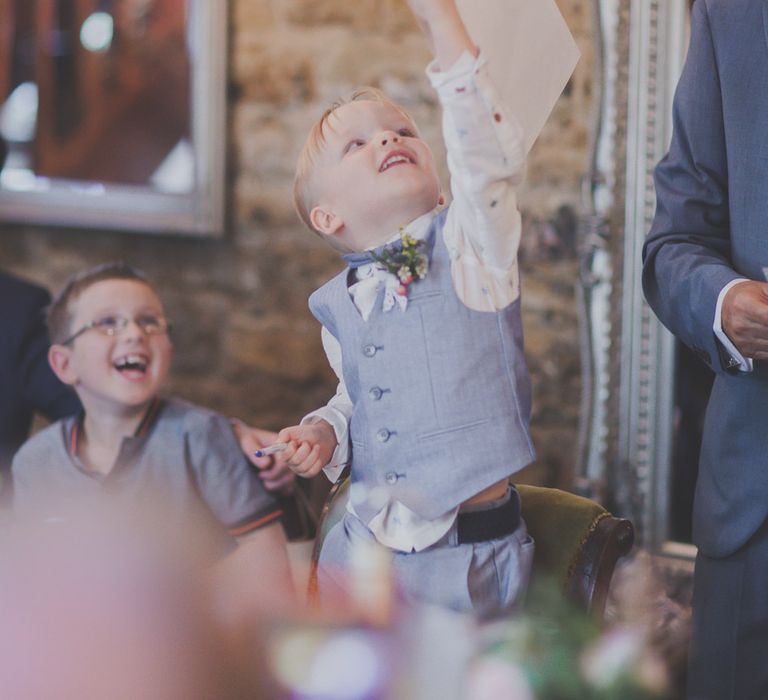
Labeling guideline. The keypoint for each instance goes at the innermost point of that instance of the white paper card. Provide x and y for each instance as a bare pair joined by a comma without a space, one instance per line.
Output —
531,54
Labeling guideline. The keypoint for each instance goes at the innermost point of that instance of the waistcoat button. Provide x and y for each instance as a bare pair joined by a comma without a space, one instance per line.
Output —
383,435
369,350
375,393
390,478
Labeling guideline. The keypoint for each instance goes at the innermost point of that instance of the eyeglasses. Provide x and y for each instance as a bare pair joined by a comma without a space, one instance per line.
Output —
114,325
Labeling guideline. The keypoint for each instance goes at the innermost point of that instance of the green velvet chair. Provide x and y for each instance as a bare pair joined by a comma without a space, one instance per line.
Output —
578,542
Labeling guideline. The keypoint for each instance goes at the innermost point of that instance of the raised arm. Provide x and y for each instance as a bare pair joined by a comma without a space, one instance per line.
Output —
441,22
486,157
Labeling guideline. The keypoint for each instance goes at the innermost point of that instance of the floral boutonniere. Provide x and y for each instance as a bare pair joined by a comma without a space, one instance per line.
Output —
405,260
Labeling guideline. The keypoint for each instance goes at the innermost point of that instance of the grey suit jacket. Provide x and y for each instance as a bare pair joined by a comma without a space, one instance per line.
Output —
711,227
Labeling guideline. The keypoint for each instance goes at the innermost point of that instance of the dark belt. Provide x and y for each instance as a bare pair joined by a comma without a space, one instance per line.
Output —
491,524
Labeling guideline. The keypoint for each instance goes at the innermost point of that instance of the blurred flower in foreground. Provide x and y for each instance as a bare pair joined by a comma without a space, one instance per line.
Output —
556,652
492,678
620,657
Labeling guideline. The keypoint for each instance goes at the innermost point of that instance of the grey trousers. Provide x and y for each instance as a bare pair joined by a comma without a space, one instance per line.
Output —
485,578
728,658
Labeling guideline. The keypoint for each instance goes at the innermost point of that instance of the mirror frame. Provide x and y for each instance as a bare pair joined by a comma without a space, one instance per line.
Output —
201,212
630,367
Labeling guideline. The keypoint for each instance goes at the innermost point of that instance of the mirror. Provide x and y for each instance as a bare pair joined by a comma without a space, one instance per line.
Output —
113,114
640,420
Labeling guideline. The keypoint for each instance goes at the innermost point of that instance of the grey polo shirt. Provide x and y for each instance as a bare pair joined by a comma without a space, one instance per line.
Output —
182,456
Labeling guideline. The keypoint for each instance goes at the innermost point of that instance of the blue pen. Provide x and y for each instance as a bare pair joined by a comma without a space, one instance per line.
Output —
265,451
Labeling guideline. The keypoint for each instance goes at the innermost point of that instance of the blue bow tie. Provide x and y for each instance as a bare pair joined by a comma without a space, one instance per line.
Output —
366,257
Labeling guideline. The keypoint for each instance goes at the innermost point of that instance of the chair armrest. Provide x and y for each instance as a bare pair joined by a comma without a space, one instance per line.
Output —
590,576
333,511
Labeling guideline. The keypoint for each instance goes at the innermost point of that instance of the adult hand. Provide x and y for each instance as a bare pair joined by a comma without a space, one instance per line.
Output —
274,473
310,447
744,316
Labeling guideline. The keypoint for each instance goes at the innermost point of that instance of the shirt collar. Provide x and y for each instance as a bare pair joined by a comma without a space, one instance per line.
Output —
418,228
150,416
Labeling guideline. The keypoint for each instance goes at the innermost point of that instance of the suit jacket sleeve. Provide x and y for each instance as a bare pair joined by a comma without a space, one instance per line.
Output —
43,392
686,258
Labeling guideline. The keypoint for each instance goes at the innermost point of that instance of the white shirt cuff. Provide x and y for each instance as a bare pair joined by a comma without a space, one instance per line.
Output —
743,364
458,76
338,422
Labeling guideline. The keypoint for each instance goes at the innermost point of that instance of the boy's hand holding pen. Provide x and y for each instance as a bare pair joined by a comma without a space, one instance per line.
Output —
274,473
304,449
271,449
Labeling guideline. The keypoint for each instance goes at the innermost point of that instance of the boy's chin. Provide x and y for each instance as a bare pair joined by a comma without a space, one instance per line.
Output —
133,407
388,232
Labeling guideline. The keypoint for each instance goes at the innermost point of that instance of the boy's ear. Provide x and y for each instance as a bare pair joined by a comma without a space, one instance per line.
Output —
59,357
325,221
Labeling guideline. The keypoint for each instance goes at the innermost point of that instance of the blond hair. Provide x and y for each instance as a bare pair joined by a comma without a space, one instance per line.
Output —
303,192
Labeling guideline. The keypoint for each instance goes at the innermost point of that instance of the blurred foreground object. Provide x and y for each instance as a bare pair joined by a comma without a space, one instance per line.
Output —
104,606
561,652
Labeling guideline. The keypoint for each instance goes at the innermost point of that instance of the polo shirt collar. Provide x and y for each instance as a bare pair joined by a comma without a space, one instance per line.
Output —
147,421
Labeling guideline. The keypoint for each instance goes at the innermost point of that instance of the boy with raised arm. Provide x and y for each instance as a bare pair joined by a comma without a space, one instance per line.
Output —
424,331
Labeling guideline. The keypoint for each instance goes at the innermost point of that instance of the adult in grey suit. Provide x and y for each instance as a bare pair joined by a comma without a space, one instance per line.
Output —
711,229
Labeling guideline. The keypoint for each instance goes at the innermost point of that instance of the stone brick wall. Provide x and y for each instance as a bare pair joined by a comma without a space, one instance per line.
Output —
246,344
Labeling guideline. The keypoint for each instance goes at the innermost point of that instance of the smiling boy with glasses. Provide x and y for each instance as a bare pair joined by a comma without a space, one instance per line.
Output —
110,342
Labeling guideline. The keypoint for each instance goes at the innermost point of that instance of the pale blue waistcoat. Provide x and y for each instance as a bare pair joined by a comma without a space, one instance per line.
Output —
441,394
